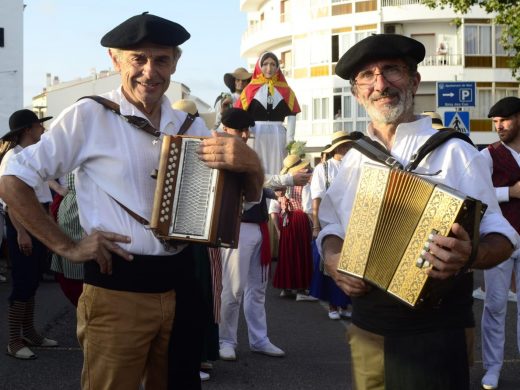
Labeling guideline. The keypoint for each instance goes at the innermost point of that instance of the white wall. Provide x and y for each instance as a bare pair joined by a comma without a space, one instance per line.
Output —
60,97
11,61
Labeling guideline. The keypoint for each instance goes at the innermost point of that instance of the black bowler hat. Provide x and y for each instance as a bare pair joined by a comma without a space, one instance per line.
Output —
505,107
145,28
236,118
378,47
21,120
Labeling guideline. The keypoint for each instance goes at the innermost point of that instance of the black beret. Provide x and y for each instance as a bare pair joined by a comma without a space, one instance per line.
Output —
145,28
236,118
505,107
378,47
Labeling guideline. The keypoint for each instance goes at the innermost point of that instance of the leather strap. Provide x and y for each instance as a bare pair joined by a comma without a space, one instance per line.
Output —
142,124
136,121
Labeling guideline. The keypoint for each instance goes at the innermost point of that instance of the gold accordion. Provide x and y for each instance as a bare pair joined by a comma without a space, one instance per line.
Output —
193,202
393,214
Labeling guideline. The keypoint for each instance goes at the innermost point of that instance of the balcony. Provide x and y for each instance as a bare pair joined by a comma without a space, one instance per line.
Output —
250,5
442,60
263,35
398,3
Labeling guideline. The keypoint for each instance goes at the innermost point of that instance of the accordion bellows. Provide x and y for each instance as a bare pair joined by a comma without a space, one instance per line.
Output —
393,214
193,202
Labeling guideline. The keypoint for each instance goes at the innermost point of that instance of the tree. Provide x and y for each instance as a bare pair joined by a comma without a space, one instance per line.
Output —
507,15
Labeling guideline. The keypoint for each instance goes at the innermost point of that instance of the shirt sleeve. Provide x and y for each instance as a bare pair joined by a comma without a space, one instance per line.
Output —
60,150
274,206
318,182
502,193
477,183
273,181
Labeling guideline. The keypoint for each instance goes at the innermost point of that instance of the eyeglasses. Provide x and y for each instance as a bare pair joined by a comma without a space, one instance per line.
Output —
391,73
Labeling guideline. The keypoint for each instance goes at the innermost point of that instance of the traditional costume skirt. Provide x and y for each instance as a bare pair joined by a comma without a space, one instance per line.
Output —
294,269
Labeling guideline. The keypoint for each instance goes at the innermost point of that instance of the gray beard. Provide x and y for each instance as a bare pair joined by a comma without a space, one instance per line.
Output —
392,114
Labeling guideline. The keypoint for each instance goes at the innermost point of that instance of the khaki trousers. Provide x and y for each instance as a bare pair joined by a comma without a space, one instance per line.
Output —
367,350
124,337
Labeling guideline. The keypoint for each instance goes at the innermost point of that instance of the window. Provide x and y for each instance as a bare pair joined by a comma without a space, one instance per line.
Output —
1,37
501,93
320,108
483,102
477,40
284,11
499,49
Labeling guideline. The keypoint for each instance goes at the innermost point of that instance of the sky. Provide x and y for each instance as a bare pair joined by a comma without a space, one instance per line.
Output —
62,37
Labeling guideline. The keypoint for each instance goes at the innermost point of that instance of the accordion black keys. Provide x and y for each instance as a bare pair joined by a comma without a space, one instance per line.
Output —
195,203
393,214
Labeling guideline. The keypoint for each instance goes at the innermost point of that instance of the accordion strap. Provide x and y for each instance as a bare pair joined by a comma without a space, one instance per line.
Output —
135,121
378,152
373,150
141,124
432,143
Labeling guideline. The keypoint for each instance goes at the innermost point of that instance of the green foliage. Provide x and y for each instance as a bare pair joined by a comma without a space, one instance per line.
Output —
507,14
296,147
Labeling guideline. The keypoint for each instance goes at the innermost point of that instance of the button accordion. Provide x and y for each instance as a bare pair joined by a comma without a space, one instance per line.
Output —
195,203
393,214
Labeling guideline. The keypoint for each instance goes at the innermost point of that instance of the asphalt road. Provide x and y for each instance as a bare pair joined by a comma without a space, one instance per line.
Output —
317,353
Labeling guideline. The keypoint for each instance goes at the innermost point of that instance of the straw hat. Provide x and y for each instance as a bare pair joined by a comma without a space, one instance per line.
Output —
238,74
190,107
436,119
293,163
338,138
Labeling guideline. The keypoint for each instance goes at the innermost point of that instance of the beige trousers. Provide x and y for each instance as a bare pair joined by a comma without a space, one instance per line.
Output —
124,337
367,351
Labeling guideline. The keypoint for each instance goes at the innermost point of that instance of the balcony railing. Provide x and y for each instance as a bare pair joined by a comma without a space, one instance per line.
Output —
442,60
398,3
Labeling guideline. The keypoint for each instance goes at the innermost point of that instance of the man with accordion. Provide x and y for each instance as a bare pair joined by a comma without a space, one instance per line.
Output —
131,296
396,346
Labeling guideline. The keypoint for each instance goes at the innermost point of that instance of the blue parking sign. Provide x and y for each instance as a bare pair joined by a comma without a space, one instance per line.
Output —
456,94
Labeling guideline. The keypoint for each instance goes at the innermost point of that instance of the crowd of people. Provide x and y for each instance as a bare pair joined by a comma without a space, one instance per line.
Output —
108,261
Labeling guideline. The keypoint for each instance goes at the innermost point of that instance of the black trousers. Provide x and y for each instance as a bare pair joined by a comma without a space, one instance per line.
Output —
427,361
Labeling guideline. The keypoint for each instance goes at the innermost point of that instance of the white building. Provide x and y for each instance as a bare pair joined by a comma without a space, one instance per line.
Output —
11,60
309,36
57,95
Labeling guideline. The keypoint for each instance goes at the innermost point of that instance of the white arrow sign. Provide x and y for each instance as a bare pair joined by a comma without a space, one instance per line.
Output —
451,94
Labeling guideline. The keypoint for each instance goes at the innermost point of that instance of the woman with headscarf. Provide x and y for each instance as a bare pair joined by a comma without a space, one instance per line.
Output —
269,100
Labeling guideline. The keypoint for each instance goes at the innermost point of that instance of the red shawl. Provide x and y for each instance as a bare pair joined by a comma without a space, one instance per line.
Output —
277,81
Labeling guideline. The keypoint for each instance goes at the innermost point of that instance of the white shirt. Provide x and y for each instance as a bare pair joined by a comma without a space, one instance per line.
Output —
275,181
461,167
319,182
114,161
501,192
42,190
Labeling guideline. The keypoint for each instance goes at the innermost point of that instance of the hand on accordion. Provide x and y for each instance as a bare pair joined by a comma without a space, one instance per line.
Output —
448,255
352,286
231,153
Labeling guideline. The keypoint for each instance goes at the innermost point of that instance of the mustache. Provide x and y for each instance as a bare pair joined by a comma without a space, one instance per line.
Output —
389,92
